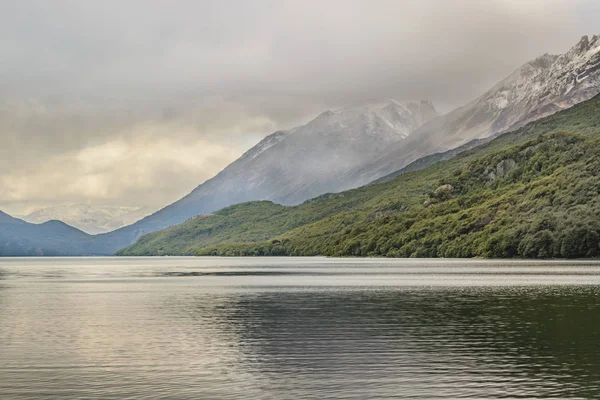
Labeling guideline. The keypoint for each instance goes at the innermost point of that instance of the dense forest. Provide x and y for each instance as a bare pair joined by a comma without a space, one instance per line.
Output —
531,193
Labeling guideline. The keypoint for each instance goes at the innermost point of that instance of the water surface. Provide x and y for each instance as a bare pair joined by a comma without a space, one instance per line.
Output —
289,328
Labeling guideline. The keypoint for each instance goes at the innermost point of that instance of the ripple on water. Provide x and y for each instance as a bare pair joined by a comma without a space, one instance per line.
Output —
77,330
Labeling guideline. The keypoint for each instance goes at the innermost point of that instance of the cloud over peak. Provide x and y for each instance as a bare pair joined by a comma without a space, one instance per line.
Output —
138,102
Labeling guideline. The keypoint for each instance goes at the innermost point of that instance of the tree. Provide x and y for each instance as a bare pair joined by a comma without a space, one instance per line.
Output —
538,245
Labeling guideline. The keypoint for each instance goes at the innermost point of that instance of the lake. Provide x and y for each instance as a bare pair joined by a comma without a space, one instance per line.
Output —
297,328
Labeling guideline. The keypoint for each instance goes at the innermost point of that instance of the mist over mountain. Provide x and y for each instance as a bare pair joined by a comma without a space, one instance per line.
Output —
90,219
537,89
291,166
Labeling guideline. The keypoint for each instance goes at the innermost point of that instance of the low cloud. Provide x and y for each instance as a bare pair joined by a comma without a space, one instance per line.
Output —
138,102
148,168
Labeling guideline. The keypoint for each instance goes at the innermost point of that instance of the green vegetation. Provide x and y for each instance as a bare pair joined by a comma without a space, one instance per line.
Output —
531,193
248,222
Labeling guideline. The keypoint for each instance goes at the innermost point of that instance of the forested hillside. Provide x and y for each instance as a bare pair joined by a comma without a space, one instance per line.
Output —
530,193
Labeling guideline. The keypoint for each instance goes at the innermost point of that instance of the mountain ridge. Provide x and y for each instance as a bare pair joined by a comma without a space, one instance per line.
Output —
51,238
537,89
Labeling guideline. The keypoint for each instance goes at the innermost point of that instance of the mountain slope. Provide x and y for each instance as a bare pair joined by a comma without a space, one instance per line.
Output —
492,200
291,166
539,88
20,238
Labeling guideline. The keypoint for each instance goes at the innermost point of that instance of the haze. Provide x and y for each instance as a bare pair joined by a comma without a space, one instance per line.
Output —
136,103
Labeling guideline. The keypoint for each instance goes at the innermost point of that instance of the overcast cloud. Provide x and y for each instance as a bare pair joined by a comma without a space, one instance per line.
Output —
137,102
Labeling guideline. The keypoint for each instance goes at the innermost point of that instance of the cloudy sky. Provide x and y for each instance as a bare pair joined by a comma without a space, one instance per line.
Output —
136,102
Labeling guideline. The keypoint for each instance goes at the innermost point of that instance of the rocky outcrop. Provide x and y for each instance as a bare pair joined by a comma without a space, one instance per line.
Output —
502,169
444,189
442,193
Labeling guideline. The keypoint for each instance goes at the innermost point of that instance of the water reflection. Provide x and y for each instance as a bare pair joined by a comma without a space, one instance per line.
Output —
531,342
97,331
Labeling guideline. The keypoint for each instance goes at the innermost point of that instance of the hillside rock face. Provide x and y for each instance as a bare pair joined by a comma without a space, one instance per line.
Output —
502,169
544,86
539,88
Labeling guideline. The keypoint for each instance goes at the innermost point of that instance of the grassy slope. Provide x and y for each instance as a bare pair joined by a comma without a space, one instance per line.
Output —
530,212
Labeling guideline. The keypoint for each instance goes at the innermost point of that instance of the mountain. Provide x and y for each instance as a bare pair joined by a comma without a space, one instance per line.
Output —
289,167
539,88
355,146
52,238
87,218
533,192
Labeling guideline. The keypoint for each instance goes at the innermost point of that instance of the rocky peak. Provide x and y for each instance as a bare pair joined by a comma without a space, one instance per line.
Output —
585,44
544,61
379,118
544,86
264,145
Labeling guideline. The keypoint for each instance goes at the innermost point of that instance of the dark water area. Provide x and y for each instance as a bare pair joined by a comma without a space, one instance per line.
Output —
289,328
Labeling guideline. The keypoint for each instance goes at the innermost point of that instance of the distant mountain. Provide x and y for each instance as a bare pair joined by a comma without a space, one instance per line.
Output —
537,89
128,218
52,238
87,218
289,167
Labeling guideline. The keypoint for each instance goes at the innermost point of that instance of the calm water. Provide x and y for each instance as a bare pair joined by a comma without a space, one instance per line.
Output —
182,328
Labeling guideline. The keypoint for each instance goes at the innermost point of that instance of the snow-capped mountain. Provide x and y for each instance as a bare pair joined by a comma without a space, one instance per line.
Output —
88,218
537,89
291,166
543,86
